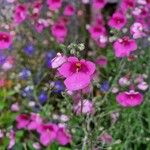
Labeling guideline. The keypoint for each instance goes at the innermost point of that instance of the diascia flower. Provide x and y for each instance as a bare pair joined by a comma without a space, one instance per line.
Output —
117,21
63,137
21,12
69,10
48,133
5,40
59,31
54,4
99,4
123,47
129,99
78,73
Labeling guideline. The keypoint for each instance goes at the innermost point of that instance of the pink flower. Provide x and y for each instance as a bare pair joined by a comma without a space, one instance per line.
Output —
123,47
99,4
106,138
129,99
63,137
22,121
126,4
137,30
143,86
77,73
84,107
8,64
15,107
54,4
5,40
59,31
2,83
96,31
12,139
102,61
117,21
48,133
21,12
35,121
58,60
69,10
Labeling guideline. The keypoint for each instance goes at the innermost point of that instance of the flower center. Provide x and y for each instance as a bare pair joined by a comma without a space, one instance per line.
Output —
4,38
78,66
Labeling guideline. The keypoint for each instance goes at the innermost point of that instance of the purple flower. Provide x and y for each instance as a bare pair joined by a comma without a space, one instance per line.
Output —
25,74
59,87
104,87
29,50
43,97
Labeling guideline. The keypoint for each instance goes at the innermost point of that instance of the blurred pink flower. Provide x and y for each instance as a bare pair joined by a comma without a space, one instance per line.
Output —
143,86
117,21
22,121
35,121
106,138
102,61
5,40
69,10
77,73
63,137
123,47
58,60
137,30
8,64
21,12
127,4
99,4
54,4
48,133
15,107
12,139
84,107
96,31
129,99
59,31
2,83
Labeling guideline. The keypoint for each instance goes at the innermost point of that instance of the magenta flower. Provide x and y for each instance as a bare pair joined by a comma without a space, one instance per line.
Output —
48,133
77,73
123,47
126,4
54,4
99,4
129,99
22,121
63,137
21,12
117,21
5,40
96,31
35,121
102,61
69,10
59,31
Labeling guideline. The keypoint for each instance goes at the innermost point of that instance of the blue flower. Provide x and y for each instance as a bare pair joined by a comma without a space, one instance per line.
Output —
49,56
29,50
43,97
28,92
25,74
104,87
59,87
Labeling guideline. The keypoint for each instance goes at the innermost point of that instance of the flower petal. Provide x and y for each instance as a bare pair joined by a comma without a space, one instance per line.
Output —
77,81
